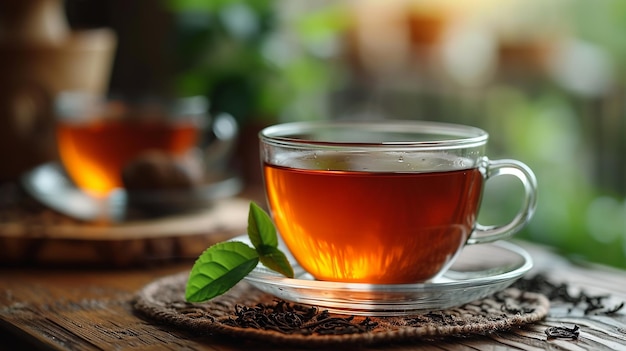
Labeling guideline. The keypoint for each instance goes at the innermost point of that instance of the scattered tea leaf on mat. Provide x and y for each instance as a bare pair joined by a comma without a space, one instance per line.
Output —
589,304
223,265
218,269
563,332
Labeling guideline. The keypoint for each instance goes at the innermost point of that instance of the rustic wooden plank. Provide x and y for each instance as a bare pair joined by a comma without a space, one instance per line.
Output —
71,243
73,309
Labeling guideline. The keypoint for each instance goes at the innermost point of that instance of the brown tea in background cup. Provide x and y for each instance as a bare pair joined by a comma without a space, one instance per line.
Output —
384,202
99,139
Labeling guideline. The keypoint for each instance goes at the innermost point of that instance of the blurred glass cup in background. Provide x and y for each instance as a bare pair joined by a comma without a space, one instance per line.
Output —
108,144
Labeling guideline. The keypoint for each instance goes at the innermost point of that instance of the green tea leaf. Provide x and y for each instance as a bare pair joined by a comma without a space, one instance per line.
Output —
223,265
275,260
218,269
261,229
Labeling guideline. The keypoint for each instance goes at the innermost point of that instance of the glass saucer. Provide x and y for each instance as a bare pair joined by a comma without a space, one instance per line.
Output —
479,271
50,185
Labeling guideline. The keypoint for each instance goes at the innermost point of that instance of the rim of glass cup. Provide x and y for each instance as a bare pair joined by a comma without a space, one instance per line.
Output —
78,106
425,135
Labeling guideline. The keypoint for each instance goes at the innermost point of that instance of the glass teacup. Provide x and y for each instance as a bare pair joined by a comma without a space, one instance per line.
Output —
384,202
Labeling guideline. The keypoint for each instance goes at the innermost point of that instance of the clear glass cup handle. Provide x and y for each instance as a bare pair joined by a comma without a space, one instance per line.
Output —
494,168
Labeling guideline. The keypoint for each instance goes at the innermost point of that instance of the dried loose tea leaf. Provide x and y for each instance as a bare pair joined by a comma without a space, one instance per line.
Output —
563,332
589,304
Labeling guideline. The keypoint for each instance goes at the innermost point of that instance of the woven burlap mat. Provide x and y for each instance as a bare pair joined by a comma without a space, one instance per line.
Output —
246,312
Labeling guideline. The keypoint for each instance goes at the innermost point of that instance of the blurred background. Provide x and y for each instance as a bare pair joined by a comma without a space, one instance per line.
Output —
545,79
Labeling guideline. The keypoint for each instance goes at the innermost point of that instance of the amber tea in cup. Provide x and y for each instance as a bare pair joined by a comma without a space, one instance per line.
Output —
96,139
384,202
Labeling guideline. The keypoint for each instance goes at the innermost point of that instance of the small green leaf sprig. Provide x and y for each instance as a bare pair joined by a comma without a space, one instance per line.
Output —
224,264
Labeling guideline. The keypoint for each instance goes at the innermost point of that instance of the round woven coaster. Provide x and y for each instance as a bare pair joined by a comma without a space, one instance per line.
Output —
245,311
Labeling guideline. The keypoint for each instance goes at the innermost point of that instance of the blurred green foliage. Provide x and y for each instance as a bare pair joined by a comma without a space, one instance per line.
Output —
574,214
233,52
602,22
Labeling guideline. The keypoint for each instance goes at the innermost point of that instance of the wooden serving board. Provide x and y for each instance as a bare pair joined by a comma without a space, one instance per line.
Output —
46,239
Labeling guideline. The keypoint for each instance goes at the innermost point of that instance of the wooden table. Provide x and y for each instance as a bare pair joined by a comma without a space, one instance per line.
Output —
90,309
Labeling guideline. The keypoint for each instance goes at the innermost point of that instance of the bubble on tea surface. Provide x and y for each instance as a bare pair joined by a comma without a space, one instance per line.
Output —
408,162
